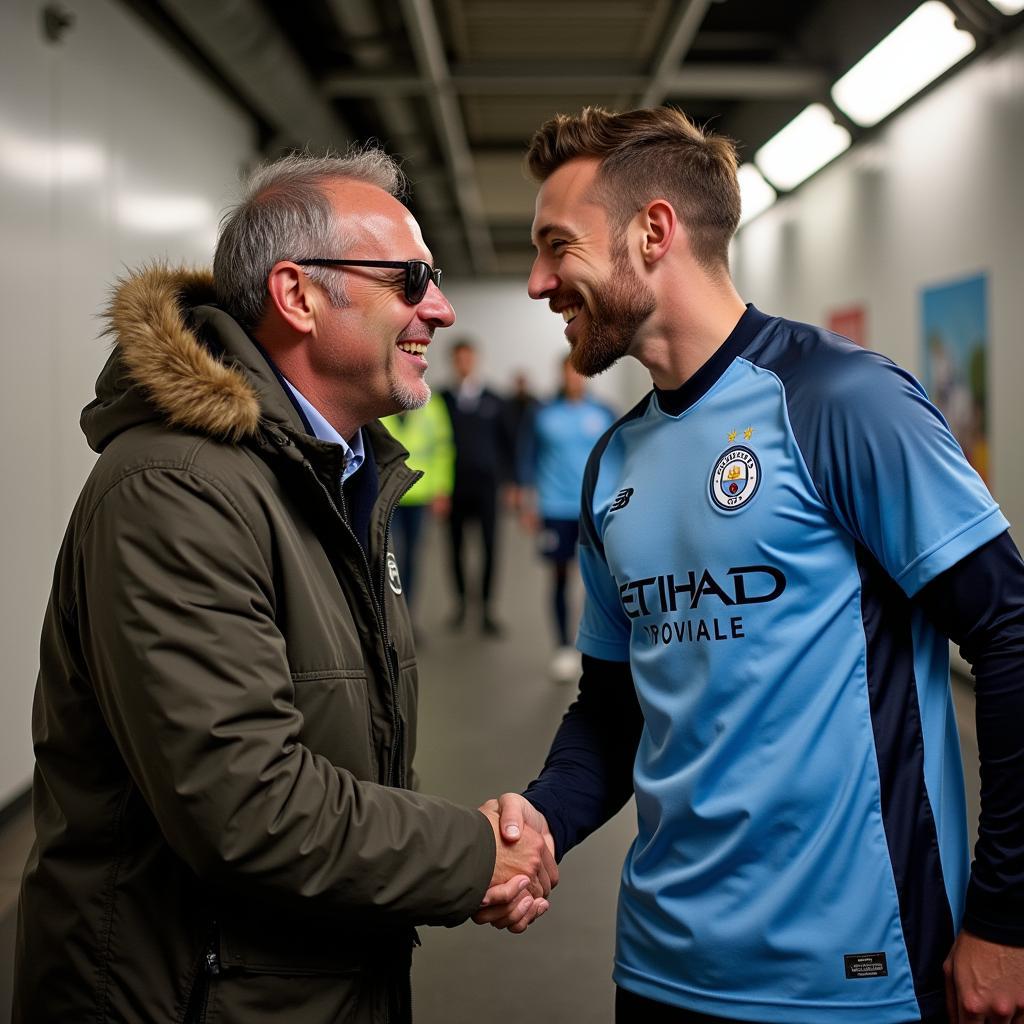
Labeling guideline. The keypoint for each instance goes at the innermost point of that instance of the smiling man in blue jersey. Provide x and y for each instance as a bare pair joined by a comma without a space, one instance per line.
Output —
776,543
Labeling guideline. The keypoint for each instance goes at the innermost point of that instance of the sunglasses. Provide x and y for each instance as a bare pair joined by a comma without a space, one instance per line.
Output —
418,273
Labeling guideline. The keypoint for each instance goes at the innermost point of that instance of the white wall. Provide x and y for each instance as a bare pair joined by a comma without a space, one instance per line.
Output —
516,333
112,152
935,196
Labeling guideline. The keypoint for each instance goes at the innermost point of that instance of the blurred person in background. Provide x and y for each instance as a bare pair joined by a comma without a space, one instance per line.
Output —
483,464
555,449
225,810
426,434
520,407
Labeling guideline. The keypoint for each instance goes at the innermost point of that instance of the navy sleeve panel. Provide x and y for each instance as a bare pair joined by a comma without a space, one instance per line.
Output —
840,402
588,528
979,605
588,774
880,455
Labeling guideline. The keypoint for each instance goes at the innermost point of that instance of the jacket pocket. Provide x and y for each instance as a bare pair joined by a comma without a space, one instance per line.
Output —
318,970
288,946
335,706
263,997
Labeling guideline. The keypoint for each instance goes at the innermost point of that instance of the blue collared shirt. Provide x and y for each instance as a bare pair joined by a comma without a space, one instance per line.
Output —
323,431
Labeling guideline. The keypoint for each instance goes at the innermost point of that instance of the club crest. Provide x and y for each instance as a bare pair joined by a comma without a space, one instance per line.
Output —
735,479
394,580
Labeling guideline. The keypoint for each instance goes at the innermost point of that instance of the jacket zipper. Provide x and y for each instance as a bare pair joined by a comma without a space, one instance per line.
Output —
391,655
209,967
390,648
377,602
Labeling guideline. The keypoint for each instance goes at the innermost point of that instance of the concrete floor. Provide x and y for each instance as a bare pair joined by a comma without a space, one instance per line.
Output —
487,713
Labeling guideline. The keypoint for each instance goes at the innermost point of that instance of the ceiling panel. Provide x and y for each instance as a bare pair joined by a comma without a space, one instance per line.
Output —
511,120
507,190
570,29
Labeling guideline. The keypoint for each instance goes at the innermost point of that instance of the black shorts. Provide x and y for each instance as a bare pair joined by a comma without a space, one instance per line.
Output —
558,539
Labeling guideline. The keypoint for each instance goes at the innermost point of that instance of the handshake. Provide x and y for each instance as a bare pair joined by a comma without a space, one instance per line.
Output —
524,865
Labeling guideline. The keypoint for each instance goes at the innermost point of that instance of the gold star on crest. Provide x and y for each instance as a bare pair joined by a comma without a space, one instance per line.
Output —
748,433
732,436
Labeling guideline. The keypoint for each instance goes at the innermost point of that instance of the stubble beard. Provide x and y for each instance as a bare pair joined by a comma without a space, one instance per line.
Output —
620,308
407,397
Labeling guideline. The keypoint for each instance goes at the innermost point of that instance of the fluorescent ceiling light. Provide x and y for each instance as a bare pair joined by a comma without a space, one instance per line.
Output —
1008,6
804,146
915,53
756,195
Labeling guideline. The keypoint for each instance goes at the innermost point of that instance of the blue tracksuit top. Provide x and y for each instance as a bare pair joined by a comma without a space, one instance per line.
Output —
750,544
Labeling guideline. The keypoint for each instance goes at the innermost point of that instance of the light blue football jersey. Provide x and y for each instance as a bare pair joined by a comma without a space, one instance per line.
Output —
750,544
564,434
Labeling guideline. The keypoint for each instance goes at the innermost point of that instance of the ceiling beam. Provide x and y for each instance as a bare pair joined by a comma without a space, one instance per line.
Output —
373,53
249,51
444,106
747,81
348,85
678,38
725,81
726,40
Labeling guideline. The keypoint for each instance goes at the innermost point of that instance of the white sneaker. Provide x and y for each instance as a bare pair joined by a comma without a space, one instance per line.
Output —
565,665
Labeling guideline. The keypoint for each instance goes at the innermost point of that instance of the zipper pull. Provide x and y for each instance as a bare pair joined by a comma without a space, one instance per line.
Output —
212,963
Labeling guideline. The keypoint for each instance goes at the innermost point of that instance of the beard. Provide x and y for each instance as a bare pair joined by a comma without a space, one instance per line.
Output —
408,396
620,307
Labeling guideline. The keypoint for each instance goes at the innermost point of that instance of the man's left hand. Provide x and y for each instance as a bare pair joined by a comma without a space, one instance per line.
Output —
984,982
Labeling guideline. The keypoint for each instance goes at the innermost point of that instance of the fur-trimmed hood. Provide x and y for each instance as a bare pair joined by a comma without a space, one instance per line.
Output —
160,364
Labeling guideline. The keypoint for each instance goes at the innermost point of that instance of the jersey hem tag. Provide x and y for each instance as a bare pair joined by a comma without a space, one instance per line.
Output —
866,965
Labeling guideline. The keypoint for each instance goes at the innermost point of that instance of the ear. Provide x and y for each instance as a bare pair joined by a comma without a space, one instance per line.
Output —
292,296
659,224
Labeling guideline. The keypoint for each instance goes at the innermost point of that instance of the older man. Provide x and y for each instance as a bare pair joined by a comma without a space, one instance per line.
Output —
776,543
224,719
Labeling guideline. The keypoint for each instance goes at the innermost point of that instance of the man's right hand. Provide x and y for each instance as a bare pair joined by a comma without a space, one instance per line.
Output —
509,905
529,854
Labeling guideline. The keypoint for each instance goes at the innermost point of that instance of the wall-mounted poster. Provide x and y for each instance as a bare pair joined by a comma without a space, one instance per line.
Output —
851,322
955,329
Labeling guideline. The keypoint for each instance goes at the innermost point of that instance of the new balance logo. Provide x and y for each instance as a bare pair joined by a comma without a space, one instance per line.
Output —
621,499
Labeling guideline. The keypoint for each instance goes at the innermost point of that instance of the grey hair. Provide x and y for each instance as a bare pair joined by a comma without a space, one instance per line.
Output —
284,214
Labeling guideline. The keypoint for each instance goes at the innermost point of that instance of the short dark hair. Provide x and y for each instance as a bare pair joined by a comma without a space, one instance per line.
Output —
648,154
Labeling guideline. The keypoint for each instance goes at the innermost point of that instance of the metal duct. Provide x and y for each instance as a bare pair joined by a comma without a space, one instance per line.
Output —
247,48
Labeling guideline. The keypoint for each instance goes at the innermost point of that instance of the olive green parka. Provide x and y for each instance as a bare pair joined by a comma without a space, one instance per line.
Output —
225,714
